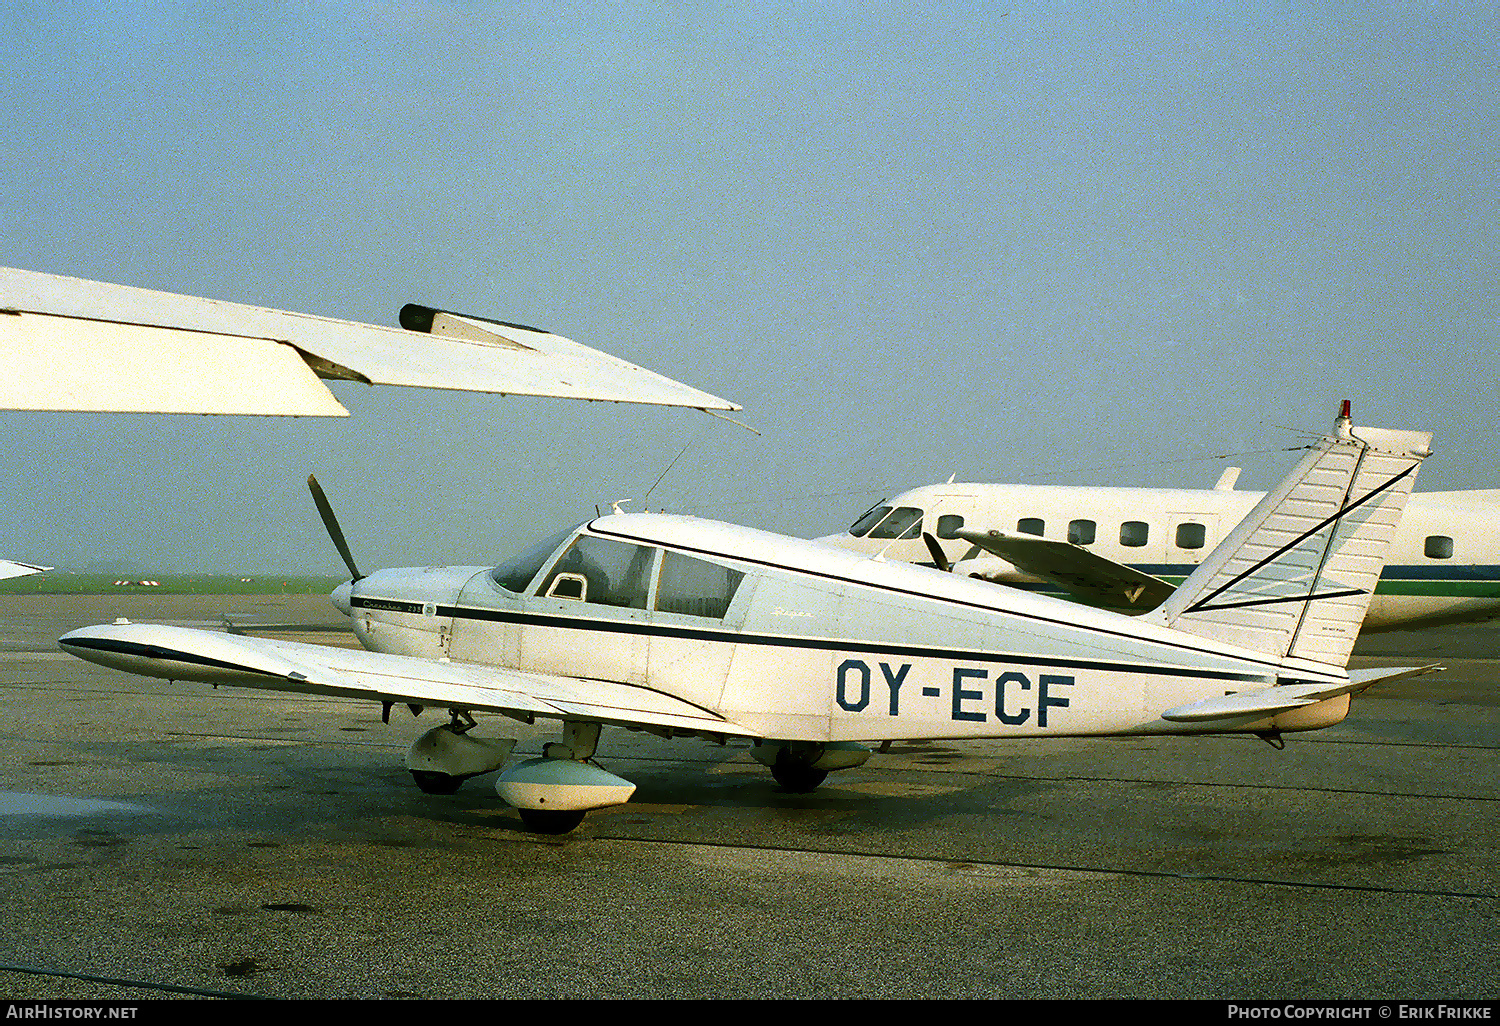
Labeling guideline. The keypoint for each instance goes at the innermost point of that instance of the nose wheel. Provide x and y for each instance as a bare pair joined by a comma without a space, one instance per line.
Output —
429,782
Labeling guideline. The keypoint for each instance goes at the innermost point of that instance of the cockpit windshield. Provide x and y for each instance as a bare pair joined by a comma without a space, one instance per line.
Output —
519,571
903,522
872,516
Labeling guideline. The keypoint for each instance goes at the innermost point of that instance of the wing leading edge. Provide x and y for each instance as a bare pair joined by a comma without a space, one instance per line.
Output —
182,653
71,344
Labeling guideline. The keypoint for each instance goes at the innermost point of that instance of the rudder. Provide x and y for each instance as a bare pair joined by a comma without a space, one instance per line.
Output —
1295,578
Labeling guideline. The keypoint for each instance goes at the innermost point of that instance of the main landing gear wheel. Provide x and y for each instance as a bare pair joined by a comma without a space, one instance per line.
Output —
436,783
797,777
550,821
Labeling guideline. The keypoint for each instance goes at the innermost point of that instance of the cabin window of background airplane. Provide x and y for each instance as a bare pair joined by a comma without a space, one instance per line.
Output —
1031,525
904,522
1081,532
607,573
694,587
1439,546
1191,536
949,524
1134,533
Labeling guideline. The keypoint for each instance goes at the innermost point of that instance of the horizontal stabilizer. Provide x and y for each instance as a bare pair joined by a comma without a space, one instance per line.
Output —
1083,573
70,344
1286,697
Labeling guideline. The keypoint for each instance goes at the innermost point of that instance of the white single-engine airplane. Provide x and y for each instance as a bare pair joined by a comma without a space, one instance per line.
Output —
1128,548
679,626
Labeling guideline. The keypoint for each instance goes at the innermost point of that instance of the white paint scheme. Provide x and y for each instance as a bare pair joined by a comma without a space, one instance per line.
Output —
70,344
1470,518
809,649
12,569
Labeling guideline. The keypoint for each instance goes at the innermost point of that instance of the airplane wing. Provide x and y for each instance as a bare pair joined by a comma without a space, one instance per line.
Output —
9,568
1284,698
70,344
183,653
1089,576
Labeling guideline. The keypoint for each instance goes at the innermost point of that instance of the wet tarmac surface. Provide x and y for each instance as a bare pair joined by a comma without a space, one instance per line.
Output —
234,842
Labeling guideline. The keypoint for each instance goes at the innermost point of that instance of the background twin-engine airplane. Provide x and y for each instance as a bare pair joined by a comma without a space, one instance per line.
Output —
1129,548
679,626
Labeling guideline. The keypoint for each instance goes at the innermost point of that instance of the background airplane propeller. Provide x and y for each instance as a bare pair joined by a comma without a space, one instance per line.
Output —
940,560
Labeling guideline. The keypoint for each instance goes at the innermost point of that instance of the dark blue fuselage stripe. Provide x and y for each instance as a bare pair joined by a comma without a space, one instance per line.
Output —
816,644
1268,662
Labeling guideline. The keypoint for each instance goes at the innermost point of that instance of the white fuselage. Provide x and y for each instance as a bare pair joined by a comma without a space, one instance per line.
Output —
1443,565
818,644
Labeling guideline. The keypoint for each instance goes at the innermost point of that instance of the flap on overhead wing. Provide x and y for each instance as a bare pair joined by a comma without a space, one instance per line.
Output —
206,353
1284,698
182,653
1089,576
67,363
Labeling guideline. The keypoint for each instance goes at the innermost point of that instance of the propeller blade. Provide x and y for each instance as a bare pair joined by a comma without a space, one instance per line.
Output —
331,522
937,553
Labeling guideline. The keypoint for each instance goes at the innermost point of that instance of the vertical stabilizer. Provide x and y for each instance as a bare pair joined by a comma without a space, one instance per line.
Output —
1295,578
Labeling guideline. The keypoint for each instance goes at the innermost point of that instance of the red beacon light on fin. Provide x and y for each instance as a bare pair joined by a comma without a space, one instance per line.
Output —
1344,410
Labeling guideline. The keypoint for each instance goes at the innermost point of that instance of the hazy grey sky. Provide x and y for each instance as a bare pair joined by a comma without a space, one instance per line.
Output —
1011,242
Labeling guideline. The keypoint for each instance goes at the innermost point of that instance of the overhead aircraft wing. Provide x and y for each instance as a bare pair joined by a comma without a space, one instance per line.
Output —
1286,697
1086,574
70,344
8,568
183,653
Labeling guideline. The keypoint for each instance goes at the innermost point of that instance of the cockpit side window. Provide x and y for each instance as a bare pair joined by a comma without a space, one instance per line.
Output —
602,571
871,517
519,571
695,587
904,522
